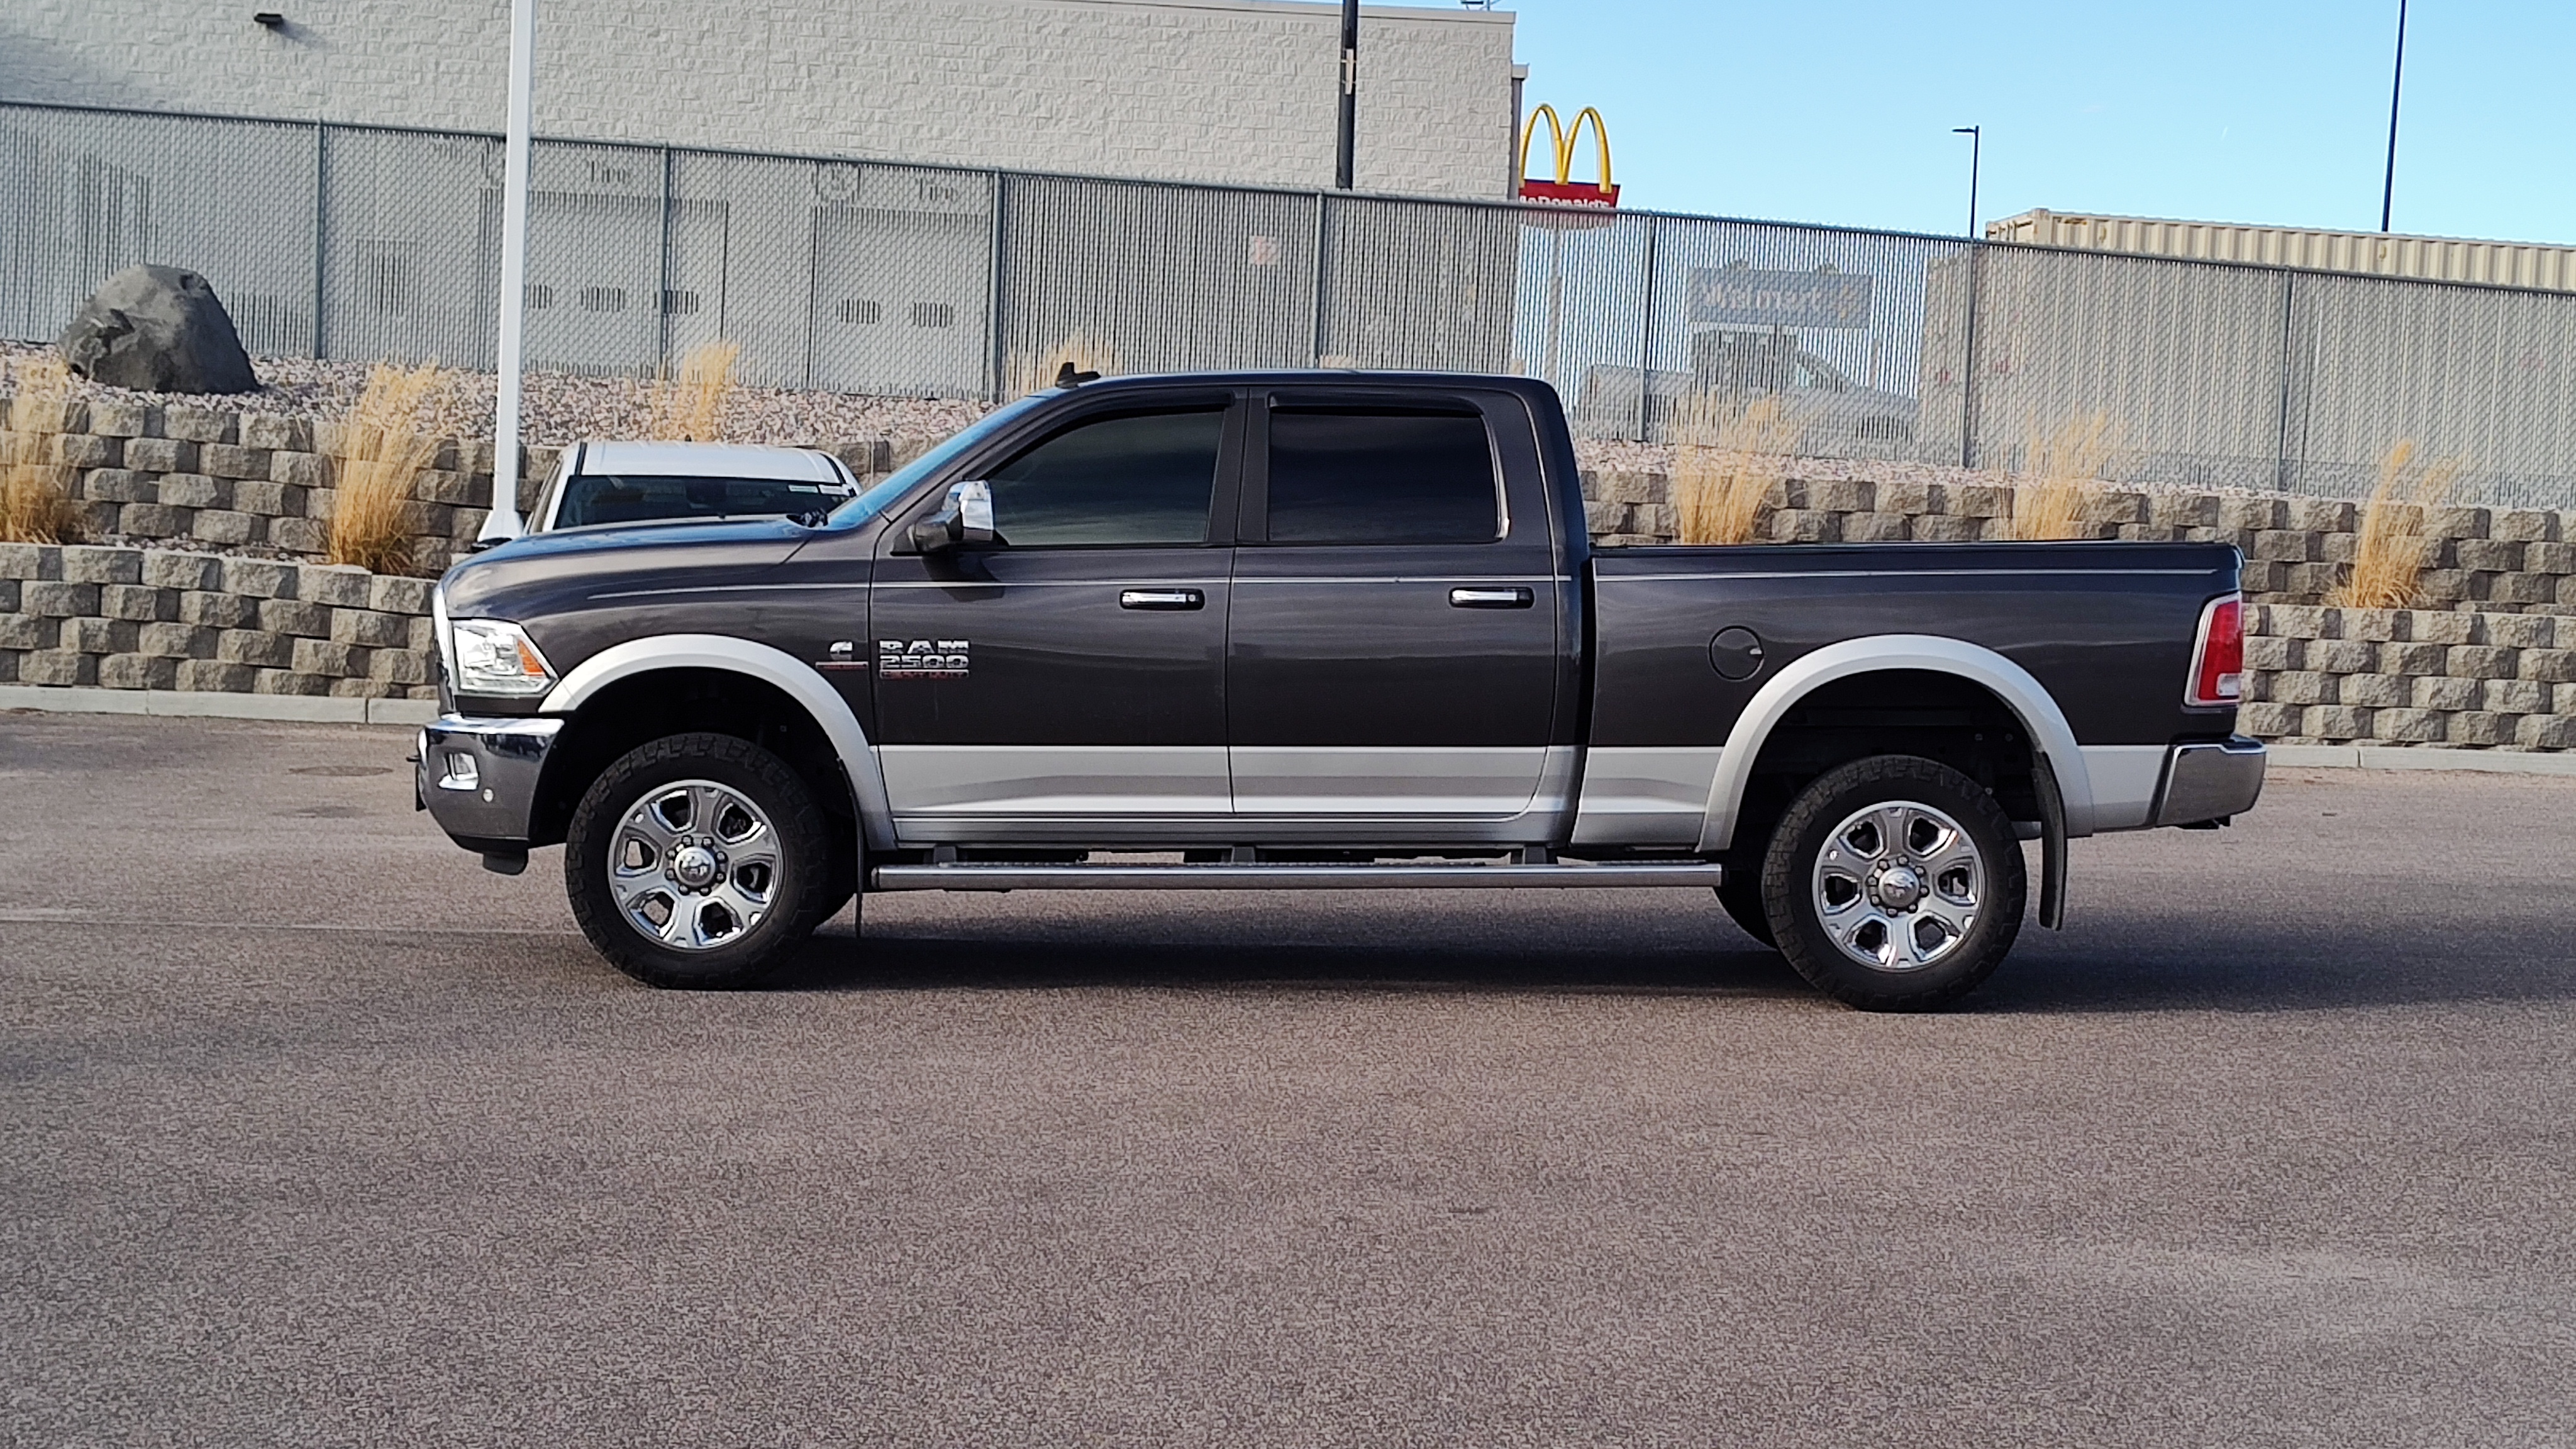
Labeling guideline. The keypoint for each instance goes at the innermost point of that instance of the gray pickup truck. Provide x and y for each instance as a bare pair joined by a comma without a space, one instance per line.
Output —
1316,630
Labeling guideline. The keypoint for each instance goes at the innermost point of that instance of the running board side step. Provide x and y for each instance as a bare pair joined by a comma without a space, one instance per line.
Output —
1005,877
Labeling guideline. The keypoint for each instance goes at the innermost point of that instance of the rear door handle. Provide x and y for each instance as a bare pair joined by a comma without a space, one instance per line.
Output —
1511,598
1166,599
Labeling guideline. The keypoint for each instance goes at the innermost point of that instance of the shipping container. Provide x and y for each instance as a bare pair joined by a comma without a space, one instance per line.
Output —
2424,258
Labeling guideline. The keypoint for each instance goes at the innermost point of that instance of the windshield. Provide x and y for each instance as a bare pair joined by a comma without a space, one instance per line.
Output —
901,481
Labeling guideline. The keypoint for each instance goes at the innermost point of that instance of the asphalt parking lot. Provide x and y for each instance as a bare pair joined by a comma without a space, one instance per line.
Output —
315,1133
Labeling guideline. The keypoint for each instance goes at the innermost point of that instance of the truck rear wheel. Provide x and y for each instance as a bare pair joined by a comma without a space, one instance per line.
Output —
698,860
1894,884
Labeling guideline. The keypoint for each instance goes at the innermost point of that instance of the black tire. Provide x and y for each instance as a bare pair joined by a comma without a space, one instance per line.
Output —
1795,891
801,884
1742,897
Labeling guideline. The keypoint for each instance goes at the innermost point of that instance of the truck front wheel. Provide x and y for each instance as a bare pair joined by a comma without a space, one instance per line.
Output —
697,860
1894,884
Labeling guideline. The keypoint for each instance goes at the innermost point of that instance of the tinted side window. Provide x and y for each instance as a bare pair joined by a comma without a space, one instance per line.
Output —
1355,475
1137,479
643,497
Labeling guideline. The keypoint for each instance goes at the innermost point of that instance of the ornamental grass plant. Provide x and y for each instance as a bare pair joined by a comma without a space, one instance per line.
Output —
388,440
35,486
1728,461
2394,546
691,408
2059,491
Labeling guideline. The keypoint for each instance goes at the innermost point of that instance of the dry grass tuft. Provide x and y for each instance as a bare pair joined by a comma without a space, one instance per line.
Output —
692,409
1036,371
389,438
35,489
2061,484
1726,462
2390,555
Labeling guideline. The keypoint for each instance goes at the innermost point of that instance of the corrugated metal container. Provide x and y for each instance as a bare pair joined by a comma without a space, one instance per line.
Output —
2428,258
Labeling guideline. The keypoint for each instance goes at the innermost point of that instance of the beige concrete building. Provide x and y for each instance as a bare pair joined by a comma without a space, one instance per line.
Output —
1227,91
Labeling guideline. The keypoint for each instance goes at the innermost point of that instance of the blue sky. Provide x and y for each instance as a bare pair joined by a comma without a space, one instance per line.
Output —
2264,111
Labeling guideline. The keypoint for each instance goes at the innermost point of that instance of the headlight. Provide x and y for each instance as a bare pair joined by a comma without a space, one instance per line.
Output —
493,656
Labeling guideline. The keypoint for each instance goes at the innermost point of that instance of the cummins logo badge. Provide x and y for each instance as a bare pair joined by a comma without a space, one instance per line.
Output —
921,658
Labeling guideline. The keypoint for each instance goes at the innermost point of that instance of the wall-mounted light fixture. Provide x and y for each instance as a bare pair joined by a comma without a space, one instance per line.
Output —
268,20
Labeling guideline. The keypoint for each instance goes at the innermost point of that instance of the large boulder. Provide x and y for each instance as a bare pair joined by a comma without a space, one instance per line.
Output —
157,329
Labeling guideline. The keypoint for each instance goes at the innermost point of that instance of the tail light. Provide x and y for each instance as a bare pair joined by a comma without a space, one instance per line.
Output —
2218,659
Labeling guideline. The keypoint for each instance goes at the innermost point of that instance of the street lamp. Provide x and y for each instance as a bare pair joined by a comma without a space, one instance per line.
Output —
502,524
2396,86
1976,155
1347,141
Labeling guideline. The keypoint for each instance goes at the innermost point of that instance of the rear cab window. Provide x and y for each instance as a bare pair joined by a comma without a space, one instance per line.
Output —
1396,474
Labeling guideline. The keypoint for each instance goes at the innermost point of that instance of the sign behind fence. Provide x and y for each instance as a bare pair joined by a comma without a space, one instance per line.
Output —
1750,296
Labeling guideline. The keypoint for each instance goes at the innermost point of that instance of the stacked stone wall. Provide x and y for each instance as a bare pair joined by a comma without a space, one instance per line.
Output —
129,618
244,480
257,482
2410,677
2490,662
2296,549
132,618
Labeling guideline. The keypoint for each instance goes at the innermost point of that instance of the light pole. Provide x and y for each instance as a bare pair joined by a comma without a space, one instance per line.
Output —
2396,87
1976,156
1347,140
503,522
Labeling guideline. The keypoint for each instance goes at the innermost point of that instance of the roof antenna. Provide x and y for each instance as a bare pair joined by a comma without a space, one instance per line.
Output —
1068,376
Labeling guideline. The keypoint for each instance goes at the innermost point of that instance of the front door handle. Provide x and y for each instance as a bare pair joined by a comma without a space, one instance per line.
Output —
1511,598
1166,599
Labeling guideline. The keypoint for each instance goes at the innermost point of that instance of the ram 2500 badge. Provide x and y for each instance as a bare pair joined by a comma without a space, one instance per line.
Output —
1339,630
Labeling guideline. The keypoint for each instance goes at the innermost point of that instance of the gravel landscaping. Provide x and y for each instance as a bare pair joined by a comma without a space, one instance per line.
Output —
558,408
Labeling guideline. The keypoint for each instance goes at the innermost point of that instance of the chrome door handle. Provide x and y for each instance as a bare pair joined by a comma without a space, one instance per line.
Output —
1512,598
1165,599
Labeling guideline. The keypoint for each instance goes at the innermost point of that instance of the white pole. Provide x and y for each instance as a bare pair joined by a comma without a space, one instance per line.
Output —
503,523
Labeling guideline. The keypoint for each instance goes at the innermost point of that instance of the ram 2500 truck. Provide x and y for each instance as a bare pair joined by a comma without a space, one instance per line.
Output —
1323,630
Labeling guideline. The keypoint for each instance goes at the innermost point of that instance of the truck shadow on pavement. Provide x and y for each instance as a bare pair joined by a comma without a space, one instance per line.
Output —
2107,966
2278,968
890,962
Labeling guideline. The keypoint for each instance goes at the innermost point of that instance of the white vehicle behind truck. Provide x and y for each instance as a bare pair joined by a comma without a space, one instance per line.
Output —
606,483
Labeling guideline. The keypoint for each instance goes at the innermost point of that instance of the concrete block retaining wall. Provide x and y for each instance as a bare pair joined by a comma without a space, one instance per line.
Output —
155,619
250,480
2410,677
2490,560
131,618
227,478
2487,664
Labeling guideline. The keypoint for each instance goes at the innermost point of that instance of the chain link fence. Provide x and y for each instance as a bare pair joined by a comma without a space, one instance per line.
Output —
359,244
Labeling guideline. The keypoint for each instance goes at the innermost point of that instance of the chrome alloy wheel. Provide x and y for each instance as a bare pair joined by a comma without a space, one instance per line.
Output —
694,865
1898,885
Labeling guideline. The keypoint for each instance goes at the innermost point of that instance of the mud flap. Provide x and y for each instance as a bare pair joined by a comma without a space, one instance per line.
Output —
2052,845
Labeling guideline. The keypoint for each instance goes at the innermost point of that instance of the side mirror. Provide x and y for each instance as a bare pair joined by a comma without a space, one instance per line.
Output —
967,518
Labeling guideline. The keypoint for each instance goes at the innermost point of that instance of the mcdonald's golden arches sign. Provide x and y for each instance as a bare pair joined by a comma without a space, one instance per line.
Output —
1562,140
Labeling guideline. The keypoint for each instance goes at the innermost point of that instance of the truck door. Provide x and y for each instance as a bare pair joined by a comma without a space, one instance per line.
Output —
1073,670
1393,652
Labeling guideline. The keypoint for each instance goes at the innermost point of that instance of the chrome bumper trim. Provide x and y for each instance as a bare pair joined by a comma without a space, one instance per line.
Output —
2211,781
974,877
478,774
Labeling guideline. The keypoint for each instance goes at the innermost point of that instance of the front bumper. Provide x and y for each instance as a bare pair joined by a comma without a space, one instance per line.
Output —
478,776
2210,781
